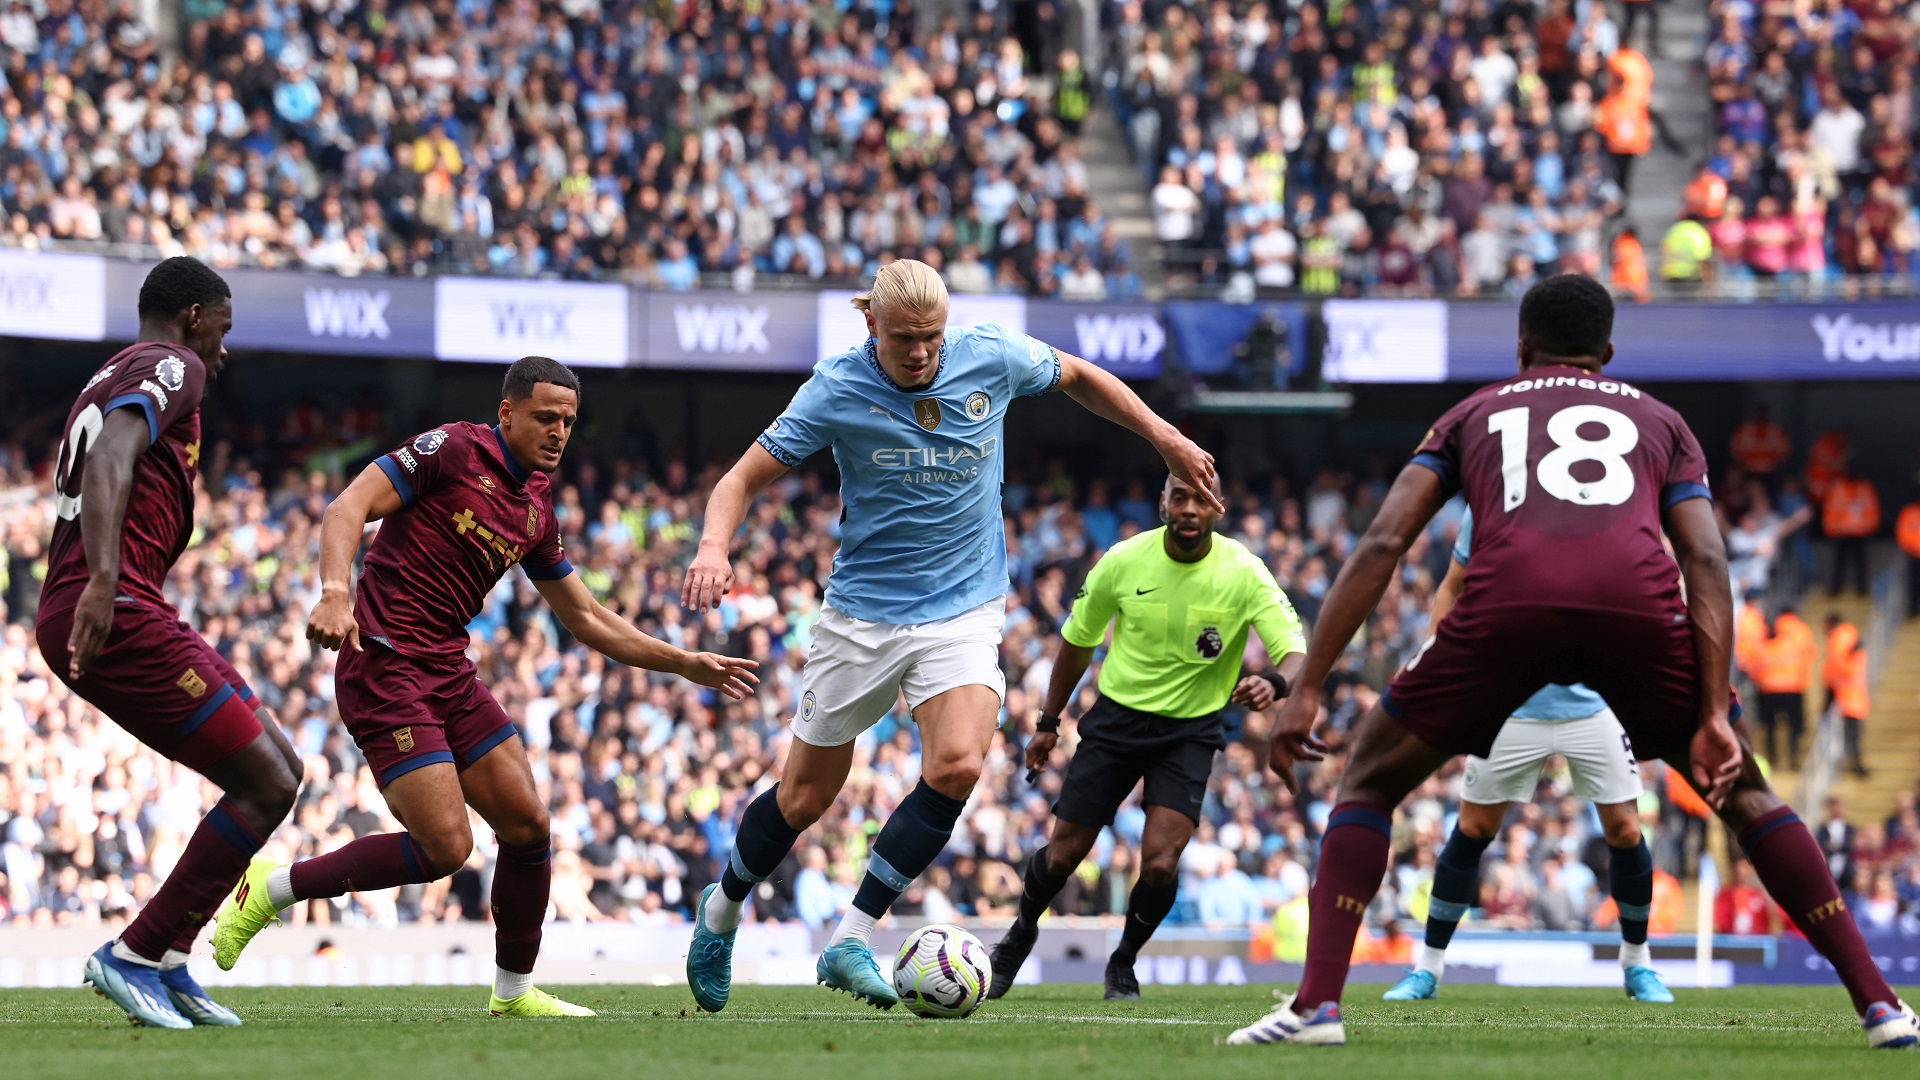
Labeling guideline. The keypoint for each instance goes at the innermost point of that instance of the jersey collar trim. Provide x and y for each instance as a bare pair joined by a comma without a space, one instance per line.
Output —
506,455
872,355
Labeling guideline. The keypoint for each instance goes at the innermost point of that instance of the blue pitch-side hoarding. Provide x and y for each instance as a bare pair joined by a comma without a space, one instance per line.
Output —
61,295
1709,342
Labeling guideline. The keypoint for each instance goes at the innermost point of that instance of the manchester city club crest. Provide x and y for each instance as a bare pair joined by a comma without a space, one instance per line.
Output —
977,405
429,442
807,704
172,372
927,412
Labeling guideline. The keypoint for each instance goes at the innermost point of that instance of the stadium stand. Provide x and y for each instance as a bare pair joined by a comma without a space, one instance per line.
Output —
583,140
1809,186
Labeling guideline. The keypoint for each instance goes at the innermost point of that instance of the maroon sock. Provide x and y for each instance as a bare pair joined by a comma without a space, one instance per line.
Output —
1353,860
380,861
215,858
1795,874
522,879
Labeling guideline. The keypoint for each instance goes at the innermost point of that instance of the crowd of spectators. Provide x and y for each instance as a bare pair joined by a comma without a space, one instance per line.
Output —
1384,149
1811,179
646,775
588,139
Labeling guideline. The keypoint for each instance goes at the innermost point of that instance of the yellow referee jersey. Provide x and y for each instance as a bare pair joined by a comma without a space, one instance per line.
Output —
1182,626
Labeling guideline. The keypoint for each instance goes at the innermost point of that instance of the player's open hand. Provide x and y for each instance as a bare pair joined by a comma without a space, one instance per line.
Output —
709,579
1255,693
1293,739
1716,758
731,675
331,626
92,622
1193,466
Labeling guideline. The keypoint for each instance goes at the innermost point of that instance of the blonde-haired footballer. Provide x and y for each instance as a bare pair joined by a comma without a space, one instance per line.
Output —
916,417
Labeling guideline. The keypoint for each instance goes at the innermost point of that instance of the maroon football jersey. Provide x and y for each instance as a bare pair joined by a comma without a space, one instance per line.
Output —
1567,473
164,382
470,514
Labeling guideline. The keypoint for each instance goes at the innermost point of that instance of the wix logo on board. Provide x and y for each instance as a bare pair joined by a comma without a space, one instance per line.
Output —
1128,339
722,328
348,313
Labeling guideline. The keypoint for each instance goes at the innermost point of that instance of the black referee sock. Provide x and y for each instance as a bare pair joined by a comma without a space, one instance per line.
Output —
1146,906
1039,885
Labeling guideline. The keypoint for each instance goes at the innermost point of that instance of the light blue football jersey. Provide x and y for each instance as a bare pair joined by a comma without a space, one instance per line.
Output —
921,536
1553,702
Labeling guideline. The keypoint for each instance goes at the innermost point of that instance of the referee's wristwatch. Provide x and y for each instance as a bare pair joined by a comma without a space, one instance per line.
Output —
1278,682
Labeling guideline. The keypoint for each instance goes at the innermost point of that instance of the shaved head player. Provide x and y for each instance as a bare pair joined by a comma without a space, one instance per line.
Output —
125,487
1571,478
463,505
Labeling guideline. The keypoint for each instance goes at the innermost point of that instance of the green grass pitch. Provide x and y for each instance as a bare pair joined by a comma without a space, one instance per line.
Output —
807,1033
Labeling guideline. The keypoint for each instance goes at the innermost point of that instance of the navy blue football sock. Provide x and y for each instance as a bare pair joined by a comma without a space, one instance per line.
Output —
1456,877
909,842
764,839
1630,878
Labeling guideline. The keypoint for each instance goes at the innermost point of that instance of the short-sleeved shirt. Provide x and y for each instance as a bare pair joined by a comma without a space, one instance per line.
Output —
1567,474
469,514
1182,626
164,382
1554,701
921,537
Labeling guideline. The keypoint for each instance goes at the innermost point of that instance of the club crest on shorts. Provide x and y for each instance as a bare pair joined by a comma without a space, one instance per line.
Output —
1471,773
172,372
1209,643
977,405
192,683
807,704
927,412
403,740
429,442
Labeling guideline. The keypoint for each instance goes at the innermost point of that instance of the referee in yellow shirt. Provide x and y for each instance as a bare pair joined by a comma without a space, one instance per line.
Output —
1184,600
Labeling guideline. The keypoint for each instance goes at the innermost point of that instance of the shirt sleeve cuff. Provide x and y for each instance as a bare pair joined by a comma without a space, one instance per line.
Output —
782,454
146,406
548,573
1449,476
1674,494
1053,383
398,475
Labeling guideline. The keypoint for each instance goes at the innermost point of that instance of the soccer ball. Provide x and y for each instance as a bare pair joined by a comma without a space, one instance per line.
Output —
942,972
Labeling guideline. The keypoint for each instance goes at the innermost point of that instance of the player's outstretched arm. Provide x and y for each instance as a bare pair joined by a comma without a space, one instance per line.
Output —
1103,394
1416,494
710,575
104,490
1702,555
604,631
370,497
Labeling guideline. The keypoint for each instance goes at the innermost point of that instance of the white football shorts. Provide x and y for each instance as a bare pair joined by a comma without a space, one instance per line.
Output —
1598,753
856,670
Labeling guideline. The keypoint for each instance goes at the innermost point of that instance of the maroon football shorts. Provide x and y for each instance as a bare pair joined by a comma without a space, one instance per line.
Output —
161,681
1481,665
406,714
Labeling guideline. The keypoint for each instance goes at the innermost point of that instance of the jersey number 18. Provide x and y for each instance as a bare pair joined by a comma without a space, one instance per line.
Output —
1555,470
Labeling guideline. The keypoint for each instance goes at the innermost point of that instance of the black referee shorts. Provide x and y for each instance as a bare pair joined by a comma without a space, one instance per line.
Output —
1120,746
